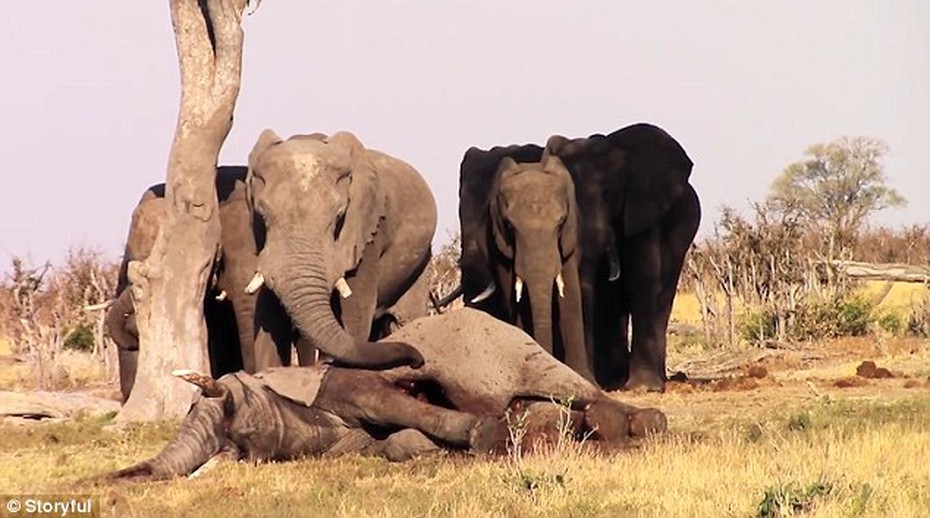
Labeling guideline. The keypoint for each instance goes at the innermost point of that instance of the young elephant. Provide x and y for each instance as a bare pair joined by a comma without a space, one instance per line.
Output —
476,367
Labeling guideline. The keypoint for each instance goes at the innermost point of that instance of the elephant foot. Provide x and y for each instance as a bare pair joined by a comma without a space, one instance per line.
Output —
486,433
645,380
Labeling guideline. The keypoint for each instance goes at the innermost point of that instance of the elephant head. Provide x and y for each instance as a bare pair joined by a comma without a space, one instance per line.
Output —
321,203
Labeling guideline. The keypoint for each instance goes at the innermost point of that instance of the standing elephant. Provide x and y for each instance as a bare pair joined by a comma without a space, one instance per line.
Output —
230,314
526,229
639,216
339,216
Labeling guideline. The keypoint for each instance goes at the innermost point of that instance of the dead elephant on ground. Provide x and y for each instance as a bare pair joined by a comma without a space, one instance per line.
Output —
476,368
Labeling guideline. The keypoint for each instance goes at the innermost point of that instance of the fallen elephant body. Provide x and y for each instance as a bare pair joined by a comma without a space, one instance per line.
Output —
476,368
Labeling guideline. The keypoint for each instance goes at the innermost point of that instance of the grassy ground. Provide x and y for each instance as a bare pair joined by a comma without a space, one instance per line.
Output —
753,433
788,438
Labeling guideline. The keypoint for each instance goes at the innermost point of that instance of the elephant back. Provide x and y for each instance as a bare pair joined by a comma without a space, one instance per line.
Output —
657,170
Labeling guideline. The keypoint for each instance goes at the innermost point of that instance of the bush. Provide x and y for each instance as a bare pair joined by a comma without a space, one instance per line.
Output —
80,338
811,320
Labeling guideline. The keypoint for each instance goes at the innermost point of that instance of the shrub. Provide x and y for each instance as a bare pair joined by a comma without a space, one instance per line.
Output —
80,338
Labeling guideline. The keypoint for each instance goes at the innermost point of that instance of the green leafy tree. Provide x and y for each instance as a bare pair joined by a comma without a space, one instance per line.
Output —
835,188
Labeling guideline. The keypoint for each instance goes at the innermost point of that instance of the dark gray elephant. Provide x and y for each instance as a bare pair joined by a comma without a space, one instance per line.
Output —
527,233
476,368
638,215
233,318
345,218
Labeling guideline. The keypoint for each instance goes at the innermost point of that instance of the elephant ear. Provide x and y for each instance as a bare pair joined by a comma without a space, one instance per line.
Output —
503,241
267,139
568,237
367,201
657,169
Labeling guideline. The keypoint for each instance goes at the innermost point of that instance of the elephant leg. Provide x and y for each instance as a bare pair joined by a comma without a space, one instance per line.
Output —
571,322
273,333
412,305
587,280
642,288
128,362
358,310
367,397
612,319
403,445
306,352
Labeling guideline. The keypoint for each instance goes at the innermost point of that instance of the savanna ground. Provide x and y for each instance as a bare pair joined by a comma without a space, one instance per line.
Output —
753,432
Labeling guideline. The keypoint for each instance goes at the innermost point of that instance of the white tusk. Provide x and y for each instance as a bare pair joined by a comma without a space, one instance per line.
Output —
343,288
560,284
518,287
257,281
221,296
485,294
98,307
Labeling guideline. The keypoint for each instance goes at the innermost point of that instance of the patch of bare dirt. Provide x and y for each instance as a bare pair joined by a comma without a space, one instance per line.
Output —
715,386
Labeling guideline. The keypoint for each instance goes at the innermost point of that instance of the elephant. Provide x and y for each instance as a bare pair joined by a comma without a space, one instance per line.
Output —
475,369
340,216
638,216
528,232
235,320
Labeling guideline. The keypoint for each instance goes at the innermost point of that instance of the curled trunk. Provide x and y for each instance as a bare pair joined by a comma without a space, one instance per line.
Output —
307,298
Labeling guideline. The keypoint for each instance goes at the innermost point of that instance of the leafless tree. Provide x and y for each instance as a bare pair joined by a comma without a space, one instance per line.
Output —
168,287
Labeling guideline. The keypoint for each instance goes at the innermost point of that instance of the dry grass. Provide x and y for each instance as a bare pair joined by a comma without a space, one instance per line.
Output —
867,457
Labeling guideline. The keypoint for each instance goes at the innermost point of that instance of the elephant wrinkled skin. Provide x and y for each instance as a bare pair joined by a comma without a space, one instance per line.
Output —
341,217
475,369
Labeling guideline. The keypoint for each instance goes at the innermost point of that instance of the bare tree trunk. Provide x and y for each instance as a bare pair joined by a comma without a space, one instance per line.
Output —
168,287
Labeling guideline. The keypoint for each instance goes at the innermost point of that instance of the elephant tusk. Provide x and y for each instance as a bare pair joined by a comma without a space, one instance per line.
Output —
207,384
343,288
518,287
485,294
102,305
257,281
221,296
560,285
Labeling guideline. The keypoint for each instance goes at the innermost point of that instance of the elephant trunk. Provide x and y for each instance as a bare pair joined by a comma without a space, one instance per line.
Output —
538,265
120,322
540,292
202,435
306,293
244,308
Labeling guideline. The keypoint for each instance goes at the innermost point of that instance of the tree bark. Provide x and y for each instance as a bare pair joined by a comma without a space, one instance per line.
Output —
168,287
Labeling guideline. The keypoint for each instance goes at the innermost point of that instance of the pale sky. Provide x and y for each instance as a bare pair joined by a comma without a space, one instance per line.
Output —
90,92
